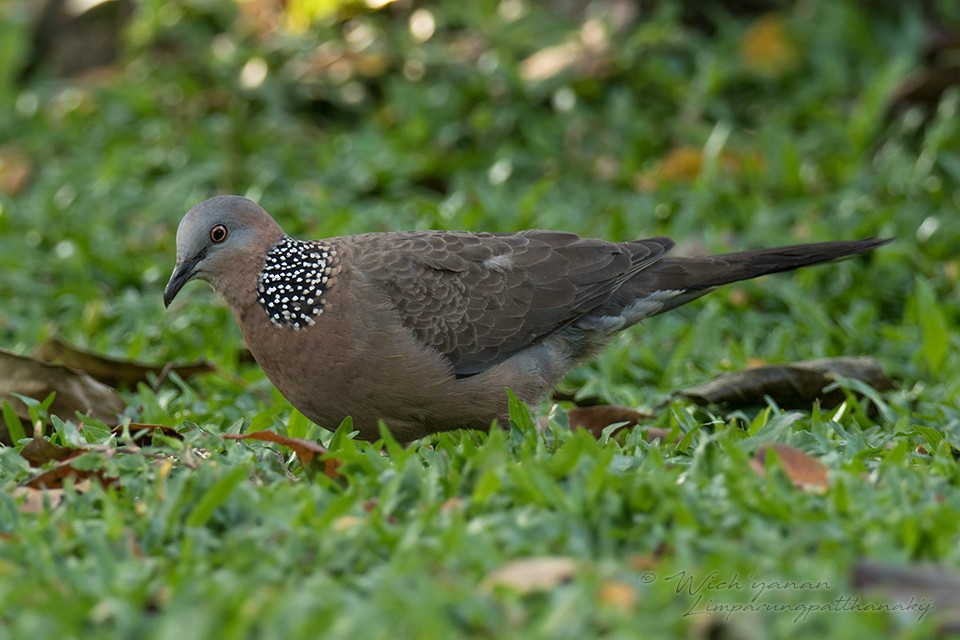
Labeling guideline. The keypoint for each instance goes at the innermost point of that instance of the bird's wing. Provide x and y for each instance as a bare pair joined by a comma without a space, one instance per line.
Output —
479,298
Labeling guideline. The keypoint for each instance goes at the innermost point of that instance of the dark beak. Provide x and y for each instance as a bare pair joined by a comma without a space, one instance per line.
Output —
182,274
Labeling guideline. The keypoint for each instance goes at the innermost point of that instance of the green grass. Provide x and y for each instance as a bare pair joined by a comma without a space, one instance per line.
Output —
207,537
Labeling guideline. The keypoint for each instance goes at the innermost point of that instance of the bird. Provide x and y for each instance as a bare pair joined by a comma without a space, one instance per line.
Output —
425,330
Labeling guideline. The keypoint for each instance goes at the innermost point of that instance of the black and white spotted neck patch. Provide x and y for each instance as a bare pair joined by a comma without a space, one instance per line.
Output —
296,276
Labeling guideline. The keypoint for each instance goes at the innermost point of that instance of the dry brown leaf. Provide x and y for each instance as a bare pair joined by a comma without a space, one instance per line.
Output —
37,500
261,17
619,595
346,522
528,575
924,88
306,450
684,164
643,561
767,47
803,470
76,391
16,168
792,386
111,371
596,419
453,503
940,71
652,434
40,451
335,64
951,269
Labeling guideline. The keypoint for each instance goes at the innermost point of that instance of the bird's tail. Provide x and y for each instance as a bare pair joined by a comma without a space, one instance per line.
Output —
691,277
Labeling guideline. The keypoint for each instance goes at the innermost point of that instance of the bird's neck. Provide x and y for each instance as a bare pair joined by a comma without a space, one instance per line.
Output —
292,285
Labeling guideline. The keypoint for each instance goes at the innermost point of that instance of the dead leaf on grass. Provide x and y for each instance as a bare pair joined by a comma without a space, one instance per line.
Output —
803,470
618,595
112,371
940,71
596,419
767,47
792,386
529,575
39,451
684,164
16,169
306,450
75,391
37,500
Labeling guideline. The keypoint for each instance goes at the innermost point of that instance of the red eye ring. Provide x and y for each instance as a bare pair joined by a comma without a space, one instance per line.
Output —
218,233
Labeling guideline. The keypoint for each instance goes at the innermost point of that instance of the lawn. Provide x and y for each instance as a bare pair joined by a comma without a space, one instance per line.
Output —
723,130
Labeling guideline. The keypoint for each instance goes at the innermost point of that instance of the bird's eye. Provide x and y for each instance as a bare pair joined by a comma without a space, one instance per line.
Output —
218,234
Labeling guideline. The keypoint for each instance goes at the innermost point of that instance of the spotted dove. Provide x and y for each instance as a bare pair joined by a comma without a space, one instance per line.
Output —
425,329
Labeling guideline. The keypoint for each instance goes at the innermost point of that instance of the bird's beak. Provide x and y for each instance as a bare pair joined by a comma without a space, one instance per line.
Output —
183,273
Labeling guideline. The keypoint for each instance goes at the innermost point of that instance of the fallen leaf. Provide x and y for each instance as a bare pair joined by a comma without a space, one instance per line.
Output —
37,500
75,391
803,470
346,522
306,450
454,503
767,48
596,419
39,451
648,561
684,164
924,88
339,65
792,386
619,595
940,71
652,434
112,371
916,576
528,575
16,168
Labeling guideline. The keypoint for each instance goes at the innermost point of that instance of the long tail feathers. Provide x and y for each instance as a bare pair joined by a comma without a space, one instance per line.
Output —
688,278
713,271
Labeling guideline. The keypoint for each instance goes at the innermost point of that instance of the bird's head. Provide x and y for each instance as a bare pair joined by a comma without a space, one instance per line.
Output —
218,239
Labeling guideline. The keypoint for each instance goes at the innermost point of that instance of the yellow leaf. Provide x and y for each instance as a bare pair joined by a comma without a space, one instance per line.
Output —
803,470
528,575
619,595
767,48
